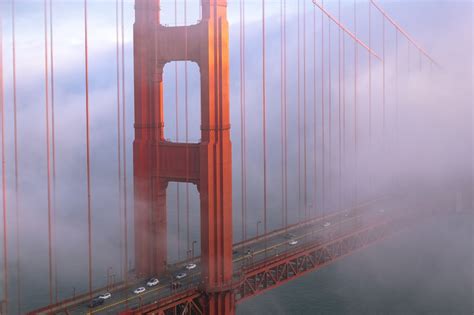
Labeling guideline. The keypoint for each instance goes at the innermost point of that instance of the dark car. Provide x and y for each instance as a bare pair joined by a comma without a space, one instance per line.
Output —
96,302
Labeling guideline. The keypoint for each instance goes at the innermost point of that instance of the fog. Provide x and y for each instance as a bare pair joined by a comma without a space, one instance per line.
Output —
423,149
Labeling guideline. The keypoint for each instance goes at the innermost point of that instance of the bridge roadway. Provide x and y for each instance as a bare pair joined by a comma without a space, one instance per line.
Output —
260,248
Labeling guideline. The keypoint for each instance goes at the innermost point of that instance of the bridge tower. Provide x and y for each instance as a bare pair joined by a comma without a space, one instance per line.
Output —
207,164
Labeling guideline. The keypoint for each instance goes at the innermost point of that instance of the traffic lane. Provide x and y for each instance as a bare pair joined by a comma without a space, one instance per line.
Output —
149,296
276,242
303,239
123,295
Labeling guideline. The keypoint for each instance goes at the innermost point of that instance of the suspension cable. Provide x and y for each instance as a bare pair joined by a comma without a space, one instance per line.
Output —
403,32
339,110
304,116
178,207
4,188
124,148
15,141
285,120
119,150
186,104
242,119
47,127
330,191
315,172
383,76
340,25
264,121
299,109
370,74
89,209
355,104
282,107
323,119
53,147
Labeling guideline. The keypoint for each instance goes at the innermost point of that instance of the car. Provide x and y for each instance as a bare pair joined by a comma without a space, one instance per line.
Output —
105,296
327,224
190,266
292,242
289,236
152,282
139,290
95,302
181,275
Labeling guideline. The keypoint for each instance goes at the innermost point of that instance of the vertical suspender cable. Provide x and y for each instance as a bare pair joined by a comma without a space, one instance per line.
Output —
186,105
243,131
421,61
369,169
355,103
89,210
370,73
53,149
315,151
264,121
4,188
124,152
408,49
305,194
242,119
119,151
46,78
285,89
344,114
323,118
383,75
329,115
339,110
282,107
299,110
178,208
15,141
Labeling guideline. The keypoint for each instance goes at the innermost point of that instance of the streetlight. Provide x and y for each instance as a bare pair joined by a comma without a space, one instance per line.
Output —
258,223
109,269
192,250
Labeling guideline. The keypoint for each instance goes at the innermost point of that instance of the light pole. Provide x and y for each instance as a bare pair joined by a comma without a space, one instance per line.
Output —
258,223
192,250
109,269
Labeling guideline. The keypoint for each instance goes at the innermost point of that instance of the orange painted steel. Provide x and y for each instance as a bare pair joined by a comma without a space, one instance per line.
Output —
207,164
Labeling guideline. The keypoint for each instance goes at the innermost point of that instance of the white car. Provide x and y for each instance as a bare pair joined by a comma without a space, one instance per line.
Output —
190,266
139,290
152,282
105,296
292,242
181,275
327,224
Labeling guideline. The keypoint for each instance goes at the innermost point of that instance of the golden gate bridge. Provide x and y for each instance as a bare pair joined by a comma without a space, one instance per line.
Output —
314,92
